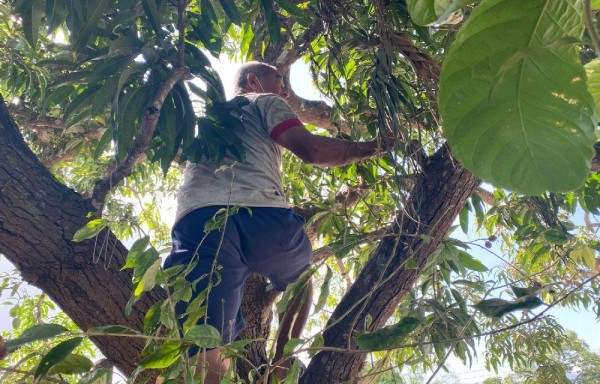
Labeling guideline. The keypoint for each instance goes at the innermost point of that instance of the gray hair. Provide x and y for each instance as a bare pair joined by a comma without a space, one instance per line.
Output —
240,80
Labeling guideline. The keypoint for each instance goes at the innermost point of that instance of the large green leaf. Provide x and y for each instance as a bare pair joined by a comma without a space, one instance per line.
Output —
513,96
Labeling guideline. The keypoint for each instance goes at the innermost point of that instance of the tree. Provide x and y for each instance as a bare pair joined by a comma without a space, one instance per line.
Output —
516,111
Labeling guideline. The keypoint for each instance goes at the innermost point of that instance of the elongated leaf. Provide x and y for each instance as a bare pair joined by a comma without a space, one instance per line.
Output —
114,329
148,280
98,376
204,336
470,263
272,20
527,126
91,229
555,236
37,332
103,143
104,96
388,336
324,291
97,9
164,356
83,100
71,365
56,14
31,14
56,355
154,16
231,11
593,73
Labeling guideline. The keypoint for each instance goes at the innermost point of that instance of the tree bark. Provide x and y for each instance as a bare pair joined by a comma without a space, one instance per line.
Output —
431,210
38,218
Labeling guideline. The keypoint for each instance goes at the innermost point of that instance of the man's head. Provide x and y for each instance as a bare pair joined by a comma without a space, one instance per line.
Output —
258,77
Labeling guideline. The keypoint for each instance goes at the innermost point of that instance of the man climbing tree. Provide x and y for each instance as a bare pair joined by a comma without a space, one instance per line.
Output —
106,98
268,238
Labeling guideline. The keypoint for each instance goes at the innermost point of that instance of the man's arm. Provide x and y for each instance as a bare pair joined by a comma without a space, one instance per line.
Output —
325,151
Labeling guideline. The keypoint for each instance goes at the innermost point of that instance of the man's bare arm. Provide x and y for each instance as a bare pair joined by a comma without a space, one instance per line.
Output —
325,151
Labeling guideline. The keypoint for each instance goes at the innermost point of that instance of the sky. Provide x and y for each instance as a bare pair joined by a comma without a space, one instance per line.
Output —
584,323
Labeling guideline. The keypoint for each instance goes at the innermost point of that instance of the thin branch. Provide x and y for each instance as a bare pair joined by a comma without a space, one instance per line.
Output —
589,21
28,373
141,142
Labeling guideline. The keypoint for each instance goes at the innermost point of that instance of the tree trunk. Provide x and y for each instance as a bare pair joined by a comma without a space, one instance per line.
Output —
38,217
434,204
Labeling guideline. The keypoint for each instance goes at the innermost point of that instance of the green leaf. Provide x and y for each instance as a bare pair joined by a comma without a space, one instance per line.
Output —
424,12
103,143
98,376
595,4
470,263
272,20
104,96
37,332
114,329
72,364
204,336
55,13
148,280
464,218
555,236
231,11
81,101
91,229
138,247
324,294
527,126
388,336
291,345
96,11
154,16
31,14
164,356
592,70
293,375
585,255
152,318
56,355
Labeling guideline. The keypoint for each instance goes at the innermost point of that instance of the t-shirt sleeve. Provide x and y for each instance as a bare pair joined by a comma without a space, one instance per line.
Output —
277,115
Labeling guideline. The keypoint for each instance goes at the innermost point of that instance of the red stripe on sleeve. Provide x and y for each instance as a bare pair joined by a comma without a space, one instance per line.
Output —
282,127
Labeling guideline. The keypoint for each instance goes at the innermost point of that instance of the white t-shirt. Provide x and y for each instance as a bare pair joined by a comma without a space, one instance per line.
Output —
257,181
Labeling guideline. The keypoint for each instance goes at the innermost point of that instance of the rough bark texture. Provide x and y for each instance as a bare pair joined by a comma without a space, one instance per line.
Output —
431,210
38,217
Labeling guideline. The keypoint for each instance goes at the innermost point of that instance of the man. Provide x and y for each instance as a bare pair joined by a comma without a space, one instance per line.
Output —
269,237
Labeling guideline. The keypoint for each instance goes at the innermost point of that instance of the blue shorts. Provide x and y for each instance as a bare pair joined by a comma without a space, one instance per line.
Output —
268,241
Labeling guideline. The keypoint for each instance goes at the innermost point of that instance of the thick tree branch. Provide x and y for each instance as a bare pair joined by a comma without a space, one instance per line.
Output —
430,210
38,218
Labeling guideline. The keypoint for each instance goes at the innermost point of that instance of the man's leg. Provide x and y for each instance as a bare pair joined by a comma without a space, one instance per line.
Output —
213,363
291,325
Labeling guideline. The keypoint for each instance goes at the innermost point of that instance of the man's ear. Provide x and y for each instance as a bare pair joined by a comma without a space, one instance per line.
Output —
251,81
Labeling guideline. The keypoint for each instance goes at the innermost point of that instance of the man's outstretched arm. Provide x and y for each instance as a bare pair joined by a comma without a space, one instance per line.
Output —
326,151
